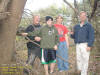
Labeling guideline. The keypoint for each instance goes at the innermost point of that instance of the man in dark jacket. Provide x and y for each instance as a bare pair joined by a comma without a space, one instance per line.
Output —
83,35
33,49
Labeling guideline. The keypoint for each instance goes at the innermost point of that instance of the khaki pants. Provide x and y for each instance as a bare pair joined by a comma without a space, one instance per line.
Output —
82,56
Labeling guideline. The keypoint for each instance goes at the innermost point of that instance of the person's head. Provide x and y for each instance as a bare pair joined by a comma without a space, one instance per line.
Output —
59,19
83,16
36,19
49,20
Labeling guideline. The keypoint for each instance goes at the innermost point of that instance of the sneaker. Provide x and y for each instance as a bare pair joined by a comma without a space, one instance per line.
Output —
61,70
51,72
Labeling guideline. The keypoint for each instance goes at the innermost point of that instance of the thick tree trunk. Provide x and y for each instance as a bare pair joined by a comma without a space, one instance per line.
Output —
8,29
96,18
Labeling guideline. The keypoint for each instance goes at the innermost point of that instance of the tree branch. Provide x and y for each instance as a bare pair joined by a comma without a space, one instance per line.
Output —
75,10
75,5
94,9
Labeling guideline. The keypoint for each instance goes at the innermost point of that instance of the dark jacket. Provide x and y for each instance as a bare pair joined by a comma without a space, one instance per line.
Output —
49,36
31,28
84,34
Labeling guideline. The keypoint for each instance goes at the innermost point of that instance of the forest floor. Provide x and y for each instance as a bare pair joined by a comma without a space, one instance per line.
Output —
39,70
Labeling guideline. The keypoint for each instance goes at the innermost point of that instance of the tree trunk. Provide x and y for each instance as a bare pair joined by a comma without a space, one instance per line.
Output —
96,18
8,29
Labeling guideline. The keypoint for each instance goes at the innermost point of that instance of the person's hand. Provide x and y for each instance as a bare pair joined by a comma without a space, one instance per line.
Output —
37,38
88,48
55,47
71,32
24,34
68,46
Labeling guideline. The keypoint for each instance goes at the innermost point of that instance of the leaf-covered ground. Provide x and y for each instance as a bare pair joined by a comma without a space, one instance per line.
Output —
38,69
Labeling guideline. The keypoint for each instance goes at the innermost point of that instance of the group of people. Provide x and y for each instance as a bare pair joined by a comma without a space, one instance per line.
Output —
52,40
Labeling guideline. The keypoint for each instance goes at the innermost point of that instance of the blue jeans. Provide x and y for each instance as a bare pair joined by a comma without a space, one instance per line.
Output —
62,52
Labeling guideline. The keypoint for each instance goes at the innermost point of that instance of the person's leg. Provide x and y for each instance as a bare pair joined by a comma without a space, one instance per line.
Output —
52,59
85,58
31,56
46,69
29,53
78,58
35,52
52,66
63,53
59,63
44,60
65,56
32,59
59,53
38,52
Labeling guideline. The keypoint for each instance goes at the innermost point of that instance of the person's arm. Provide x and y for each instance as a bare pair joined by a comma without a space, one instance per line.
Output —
72,33
66,36
35,33
91,37
67,40
56,40
28,34
30,28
